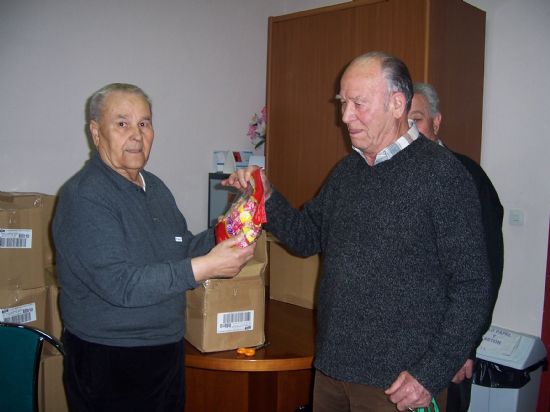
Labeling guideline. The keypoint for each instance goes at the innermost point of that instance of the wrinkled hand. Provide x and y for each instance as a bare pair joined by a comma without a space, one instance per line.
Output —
226,259
240,178
466,371
406,392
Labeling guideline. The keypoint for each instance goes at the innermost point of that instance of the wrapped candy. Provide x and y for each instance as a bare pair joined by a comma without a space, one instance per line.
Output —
246,215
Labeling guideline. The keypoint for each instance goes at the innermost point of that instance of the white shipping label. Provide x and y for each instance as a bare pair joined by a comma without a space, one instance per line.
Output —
15,238
19,314
235,321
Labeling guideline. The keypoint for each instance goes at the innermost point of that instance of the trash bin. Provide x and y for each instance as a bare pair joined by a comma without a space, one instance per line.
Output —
507,372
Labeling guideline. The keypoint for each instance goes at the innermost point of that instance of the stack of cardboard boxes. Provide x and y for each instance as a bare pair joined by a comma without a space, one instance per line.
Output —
222,314
28,291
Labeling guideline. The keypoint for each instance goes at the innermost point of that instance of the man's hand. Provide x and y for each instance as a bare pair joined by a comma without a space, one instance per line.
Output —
466,371
406,392
226,260
240,178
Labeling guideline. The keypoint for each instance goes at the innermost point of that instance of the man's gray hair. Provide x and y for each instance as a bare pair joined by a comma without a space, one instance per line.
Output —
395,72
429,93
95,104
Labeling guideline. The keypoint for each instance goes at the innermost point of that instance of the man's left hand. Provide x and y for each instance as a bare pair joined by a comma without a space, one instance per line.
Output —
406,392
466,371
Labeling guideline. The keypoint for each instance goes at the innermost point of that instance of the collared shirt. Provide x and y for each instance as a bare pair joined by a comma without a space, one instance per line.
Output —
388,152
142,181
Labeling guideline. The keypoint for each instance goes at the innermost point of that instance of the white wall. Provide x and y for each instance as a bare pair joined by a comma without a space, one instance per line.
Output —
291,6
203,63
515,150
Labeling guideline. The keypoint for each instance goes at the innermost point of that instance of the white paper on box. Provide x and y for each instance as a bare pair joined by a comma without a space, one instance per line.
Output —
15,238
235,321
19,314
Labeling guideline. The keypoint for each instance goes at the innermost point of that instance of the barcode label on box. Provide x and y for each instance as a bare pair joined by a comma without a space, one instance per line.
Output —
15,238
242,321
19,314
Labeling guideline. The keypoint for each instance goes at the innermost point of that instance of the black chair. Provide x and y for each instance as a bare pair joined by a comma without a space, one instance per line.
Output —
20,351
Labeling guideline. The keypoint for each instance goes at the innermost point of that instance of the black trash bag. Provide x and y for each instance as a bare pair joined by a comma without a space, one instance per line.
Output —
492,375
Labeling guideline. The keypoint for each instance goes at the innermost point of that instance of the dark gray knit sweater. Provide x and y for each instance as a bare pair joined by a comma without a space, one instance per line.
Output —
123,258
405,281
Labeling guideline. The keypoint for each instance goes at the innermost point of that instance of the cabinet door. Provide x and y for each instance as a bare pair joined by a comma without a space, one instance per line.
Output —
442,42
456,60
307,54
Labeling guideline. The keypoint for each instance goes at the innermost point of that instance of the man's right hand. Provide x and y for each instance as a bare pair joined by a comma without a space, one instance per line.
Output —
225,260
240,178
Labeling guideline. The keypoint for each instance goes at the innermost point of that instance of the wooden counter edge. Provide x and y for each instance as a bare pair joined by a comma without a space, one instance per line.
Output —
249,365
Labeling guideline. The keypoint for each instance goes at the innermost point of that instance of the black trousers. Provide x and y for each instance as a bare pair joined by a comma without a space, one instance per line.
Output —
101,378
458,396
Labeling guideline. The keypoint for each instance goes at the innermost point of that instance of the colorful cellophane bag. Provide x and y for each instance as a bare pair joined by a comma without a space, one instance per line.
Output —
246,215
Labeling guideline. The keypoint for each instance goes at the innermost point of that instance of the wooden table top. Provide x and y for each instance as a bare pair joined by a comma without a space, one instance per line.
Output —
290,332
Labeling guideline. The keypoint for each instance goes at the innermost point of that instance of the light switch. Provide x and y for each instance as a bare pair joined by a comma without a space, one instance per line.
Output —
516,217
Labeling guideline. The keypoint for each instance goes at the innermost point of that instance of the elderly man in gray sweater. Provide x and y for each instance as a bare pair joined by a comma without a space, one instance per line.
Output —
125,258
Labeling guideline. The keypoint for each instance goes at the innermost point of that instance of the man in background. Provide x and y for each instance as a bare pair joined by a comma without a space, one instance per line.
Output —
425,112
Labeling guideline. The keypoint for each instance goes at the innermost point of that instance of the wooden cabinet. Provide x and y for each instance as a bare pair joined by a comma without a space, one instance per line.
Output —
442,42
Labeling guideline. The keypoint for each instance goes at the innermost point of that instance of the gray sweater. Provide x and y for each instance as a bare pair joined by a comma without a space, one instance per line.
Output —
123,258
405,281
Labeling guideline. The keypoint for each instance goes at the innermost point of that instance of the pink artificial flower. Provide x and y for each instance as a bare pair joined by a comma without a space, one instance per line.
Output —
257,127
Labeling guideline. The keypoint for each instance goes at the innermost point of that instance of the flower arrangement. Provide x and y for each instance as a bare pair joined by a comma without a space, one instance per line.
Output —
257,128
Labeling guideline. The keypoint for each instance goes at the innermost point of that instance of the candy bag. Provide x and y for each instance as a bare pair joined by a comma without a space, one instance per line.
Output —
246,215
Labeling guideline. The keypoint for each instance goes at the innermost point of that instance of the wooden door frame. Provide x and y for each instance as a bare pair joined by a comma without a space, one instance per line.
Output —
544,392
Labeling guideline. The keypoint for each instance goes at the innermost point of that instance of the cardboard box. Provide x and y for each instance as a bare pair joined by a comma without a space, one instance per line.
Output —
54,325
51,392
292,279
256,266
53,322
21,246
225,314
26,306
47,205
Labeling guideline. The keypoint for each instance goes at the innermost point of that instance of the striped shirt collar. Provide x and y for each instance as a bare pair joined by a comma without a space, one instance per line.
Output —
388,152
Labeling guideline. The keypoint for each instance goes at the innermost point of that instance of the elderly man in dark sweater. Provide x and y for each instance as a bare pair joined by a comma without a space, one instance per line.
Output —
405,277
425,112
